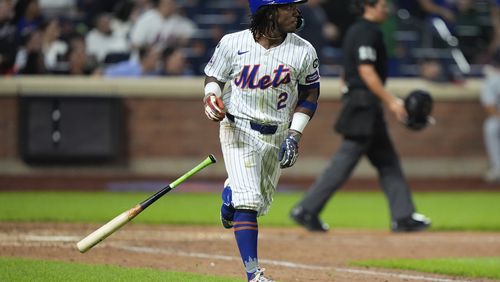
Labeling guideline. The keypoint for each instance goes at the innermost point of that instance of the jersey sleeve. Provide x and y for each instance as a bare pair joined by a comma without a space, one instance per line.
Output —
219,65
310,77
366,51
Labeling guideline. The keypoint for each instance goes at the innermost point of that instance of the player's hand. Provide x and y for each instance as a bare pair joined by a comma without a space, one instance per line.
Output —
289,150
214,107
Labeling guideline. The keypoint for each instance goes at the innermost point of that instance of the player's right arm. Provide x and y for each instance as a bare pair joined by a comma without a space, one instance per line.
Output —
214,106
217,72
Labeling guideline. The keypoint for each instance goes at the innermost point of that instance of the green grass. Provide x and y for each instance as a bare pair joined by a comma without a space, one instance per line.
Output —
472,211
464,267
14,269
476,211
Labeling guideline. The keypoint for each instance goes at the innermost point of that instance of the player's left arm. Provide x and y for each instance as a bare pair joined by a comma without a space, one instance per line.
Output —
304,111
306,107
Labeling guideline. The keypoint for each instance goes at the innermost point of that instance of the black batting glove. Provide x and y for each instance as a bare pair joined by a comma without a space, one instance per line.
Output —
289,150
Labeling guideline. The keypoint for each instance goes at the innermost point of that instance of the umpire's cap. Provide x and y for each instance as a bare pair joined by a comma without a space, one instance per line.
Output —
256,4
418,104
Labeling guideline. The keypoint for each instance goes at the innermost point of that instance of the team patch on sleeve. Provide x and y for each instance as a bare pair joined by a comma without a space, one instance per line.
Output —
367,53
312,77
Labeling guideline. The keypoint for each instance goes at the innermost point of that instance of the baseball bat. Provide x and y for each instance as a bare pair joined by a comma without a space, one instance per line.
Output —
116,223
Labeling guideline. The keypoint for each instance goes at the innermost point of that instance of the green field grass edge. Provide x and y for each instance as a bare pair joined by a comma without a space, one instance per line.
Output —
21,269
479,267
449,211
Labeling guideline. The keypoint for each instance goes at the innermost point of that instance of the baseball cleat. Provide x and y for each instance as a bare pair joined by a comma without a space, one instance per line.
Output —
258,276
225,222
415,222
308,220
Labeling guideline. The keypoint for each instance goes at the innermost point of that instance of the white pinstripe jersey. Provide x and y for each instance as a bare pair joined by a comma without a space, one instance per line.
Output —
264,82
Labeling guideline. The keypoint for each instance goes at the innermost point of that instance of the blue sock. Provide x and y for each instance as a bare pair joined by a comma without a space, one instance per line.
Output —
227,210
246,232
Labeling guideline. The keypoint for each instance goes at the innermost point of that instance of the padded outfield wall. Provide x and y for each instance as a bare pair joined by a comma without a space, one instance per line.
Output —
166,132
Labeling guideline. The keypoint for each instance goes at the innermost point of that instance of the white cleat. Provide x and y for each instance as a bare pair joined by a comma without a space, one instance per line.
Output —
258,276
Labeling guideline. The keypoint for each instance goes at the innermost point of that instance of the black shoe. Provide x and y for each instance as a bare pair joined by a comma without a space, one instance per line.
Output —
415,222
308,220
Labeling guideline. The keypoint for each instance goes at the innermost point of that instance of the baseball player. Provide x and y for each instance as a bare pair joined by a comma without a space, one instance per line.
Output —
490,100
362,124
274,88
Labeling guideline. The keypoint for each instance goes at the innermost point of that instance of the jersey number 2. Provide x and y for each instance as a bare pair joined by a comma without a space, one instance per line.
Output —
282,100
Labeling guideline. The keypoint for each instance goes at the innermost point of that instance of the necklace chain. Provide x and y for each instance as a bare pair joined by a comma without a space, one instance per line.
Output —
271,38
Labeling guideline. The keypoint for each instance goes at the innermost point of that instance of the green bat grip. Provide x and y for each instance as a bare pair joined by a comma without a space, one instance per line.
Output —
208,161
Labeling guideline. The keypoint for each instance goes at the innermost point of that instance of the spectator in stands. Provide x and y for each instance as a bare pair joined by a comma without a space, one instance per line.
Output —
143,6
53,9
495,22
490,99
101,40
147,65
175,63
77,62
53,48
28,16
341,14
89,9
125,14
30,58
318,30
471,34
439,8
162,25
8,42
439,36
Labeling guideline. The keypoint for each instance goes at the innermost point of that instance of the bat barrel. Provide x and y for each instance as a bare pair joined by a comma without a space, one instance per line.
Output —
107,229
116,223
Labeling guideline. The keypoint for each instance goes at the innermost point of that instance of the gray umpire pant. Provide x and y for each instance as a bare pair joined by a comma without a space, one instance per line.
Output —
382,155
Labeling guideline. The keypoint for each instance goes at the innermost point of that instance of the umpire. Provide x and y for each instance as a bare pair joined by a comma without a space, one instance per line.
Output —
362,124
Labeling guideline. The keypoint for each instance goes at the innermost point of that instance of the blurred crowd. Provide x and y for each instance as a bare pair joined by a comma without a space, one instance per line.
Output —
441,40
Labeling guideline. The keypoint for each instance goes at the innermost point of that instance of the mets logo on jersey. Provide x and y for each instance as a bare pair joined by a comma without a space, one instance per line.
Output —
248,77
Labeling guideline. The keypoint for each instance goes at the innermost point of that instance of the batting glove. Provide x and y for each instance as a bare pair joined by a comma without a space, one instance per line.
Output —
214,107
289,150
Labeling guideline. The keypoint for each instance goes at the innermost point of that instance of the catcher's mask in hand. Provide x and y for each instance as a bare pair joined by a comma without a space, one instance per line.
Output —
418,104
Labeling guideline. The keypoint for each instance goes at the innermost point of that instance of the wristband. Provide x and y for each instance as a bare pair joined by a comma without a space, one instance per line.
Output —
213,88
308,105
299,121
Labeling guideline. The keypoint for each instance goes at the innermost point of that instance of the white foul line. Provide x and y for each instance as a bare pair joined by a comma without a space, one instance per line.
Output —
284,264
401,276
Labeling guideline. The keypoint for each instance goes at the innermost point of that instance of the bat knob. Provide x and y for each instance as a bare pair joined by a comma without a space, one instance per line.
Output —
212,158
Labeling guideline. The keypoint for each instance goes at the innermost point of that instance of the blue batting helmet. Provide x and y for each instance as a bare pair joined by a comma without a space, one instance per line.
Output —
256,4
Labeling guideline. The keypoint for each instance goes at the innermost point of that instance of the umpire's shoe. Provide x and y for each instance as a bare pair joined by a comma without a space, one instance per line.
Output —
309,220
415,222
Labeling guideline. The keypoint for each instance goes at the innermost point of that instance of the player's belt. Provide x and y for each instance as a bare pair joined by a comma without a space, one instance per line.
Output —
265,129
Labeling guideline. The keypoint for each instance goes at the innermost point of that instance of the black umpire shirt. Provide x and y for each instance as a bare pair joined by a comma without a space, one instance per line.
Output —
364,44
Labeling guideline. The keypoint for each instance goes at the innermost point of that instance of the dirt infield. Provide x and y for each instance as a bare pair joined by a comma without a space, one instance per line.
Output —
288,254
